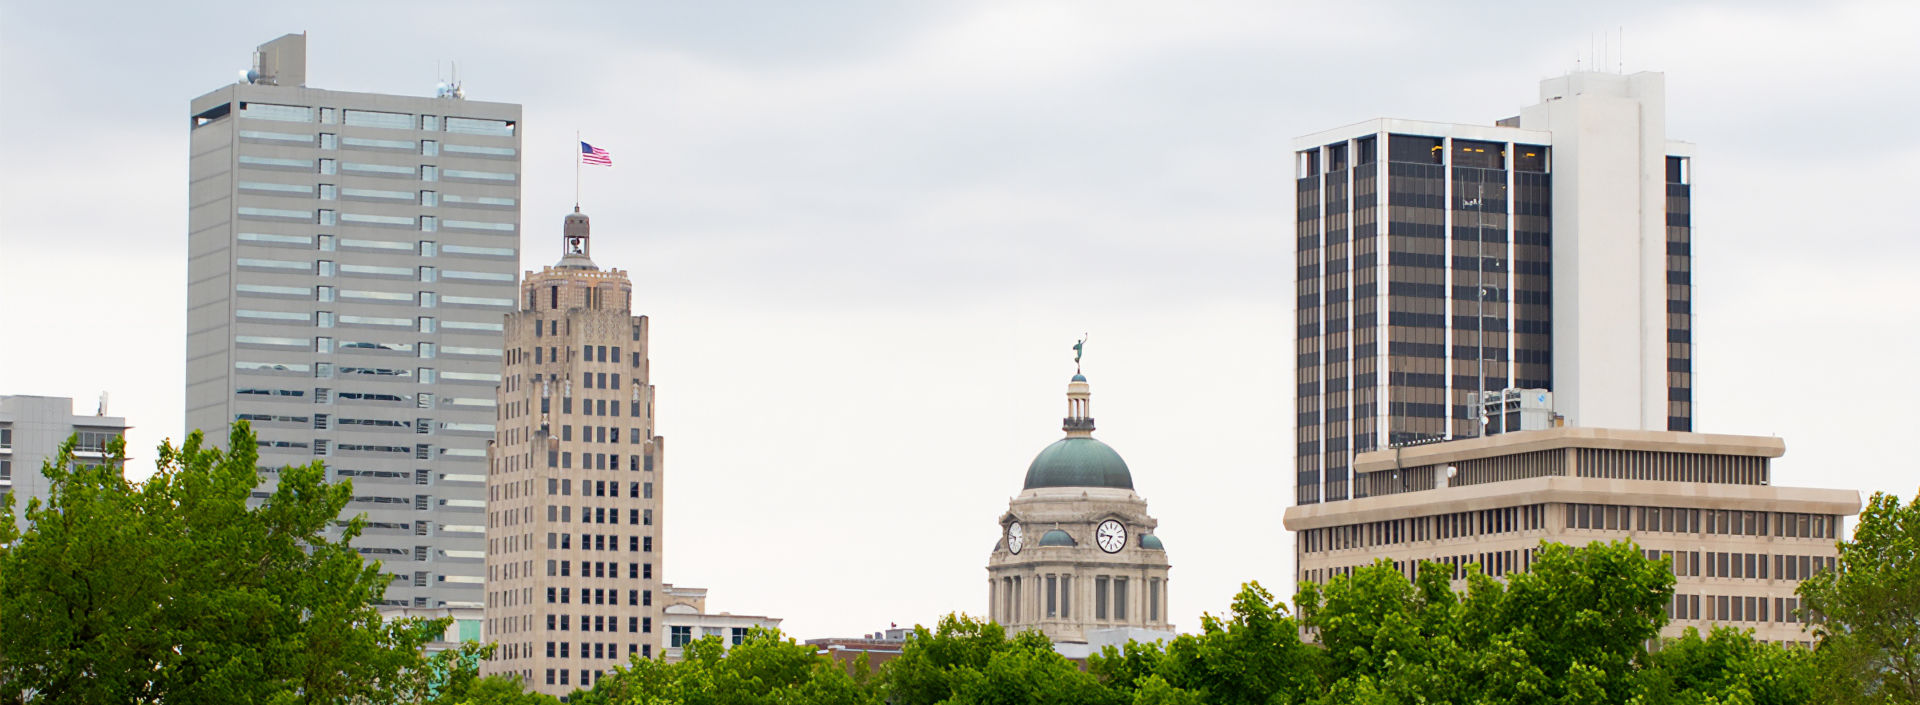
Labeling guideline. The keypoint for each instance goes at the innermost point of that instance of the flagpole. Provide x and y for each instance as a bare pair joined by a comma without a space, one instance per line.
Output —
576,171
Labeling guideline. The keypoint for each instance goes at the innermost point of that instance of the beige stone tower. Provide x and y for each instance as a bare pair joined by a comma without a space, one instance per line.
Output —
1077,558
574,487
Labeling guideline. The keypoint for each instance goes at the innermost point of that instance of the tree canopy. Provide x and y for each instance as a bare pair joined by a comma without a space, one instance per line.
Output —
1574,629
1866,614
175,590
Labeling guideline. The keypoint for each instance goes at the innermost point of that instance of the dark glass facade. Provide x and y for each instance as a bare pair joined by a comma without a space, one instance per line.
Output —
1308,342
1679,295
1415,287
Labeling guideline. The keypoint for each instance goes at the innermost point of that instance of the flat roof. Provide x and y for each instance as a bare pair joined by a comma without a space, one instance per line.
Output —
1518,442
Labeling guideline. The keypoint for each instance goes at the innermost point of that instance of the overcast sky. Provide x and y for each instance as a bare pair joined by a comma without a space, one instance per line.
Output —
868,233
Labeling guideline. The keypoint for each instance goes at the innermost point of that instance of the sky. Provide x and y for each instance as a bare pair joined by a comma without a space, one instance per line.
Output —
868,233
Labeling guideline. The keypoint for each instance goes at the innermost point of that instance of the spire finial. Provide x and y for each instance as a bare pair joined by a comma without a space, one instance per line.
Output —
1079,420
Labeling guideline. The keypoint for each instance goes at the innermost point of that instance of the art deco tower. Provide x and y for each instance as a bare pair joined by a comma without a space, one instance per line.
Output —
574,479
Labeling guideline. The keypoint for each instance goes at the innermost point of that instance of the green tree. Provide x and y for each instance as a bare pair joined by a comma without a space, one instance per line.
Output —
763,668
1727,667
1570,630
966,660
1254,656
1866,614
495,690
175,590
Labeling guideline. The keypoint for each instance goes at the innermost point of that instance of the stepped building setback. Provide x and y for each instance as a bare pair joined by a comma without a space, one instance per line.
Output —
575,480
1738,545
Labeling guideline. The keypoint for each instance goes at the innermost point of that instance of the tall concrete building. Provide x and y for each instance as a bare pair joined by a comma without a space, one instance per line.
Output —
31,431
1738,545
1436,262
574,485
1077,558
350,259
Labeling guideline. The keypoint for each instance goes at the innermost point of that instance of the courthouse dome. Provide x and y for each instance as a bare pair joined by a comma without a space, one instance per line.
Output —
1078,462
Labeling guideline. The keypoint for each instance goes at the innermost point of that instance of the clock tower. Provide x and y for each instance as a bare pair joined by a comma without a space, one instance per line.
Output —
1077,558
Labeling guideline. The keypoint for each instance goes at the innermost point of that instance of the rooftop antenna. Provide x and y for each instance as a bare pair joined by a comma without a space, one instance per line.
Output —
448,88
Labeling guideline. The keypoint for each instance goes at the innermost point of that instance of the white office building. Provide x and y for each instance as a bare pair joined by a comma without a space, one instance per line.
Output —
350,259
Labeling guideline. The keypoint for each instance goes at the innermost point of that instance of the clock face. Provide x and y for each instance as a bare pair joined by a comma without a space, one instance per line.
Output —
1016,537
1112,536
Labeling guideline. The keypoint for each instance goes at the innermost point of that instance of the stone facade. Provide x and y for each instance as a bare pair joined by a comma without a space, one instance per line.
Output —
576,478
1077,552
1738,546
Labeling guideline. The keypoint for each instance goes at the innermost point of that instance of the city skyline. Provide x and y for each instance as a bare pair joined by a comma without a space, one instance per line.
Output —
893,222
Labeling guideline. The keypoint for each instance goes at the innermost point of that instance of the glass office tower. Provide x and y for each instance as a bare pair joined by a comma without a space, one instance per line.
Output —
1438,262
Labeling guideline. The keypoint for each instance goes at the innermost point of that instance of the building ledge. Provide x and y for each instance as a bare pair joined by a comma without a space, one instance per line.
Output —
1569,437
1572,490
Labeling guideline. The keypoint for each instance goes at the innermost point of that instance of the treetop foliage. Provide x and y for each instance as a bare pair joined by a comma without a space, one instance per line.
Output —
176,590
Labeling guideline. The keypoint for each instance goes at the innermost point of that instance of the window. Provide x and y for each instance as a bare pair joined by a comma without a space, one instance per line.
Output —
1119,598
679,636
476,126
373,118
1100,597
1066,596
283,113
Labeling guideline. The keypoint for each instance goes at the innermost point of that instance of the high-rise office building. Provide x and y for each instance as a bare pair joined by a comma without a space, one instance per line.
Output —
1495,350
350,260
31,431
1438,262
574,487
1738,544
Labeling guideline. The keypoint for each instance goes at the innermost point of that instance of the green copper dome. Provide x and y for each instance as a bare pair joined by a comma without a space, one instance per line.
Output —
1078,462
1152,542
1056,537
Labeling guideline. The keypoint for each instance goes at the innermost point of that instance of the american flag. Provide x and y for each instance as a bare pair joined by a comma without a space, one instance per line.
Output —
590,154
